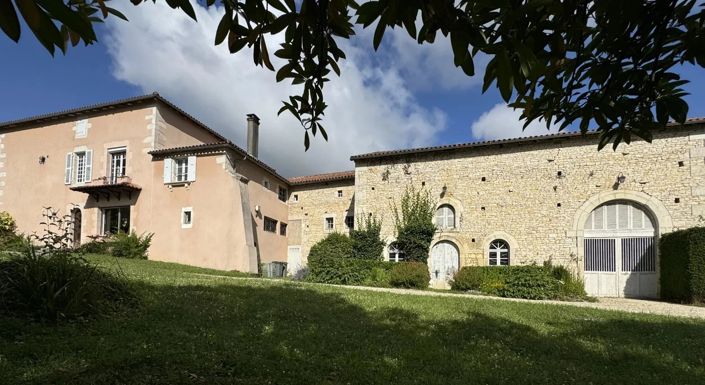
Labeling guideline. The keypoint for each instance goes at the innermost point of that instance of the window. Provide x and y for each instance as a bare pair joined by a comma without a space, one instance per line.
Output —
266,184
350,221
499,253
295,198
329,224
180,170
395,255
445,217
186,218
116,220
340,193
283,194
282,229
118,159
270,225
79,166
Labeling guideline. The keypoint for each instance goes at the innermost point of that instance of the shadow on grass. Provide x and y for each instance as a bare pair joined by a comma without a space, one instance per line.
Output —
232,333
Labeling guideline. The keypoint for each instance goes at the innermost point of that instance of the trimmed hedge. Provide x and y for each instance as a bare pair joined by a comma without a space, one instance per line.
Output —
530,282
348,271
682,263
410,275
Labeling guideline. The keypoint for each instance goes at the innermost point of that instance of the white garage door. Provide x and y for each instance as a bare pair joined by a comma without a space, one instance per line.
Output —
443,263
620,253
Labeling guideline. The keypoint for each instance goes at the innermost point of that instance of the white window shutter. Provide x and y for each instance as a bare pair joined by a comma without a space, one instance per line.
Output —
88,175
191,168
167,170
68,173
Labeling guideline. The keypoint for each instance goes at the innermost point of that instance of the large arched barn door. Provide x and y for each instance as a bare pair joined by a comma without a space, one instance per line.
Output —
620,251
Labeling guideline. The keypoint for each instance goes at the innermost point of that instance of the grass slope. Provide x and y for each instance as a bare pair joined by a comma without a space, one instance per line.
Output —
194,329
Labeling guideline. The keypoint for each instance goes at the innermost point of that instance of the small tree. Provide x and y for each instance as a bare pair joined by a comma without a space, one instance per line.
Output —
366,242
335,245
414,223
7,224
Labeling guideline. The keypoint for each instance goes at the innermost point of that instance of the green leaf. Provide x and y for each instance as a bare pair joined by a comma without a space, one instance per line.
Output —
379,33
223,27
264,54
307,141
8,20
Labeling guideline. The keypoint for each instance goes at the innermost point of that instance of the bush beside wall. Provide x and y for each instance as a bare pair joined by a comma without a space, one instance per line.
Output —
335,245
530,282
119,245
410,275
348,271
682,265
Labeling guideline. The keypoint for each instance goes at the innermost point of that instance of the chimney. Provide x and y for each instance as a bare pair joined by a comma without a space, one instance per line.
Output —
252,134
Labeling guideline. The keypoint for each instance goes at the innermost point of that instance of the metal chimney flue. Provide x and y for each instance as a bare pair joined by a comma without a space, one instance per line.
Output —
252,134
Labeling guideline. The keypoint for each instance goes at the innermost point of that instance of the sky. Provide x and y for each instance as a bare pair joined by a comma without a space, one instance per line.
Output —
403,96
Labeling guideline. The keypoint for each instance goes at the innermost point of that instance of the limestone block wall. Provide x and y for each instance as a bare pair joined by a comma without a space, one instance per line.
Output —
531,193
311,204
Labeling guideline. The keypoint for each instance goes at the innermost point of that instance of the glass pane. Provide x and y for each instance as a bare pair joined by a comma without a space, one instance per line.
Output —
623,216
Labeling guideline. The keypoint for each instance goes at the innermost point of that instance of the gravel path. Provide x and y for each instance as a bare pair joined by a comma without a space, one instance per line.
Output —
614,304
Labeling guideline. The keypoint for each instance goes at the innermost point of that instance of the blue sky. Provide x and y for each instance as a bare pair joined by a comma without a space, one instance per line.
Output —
406,96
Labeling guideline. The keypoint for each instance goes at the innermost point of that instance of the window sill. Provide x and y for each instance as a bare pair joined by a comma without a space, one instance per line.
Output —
178,184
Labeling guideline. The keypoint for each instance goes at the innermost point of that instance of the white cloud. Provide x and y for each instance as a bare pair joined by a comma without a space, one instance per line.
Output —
424,67
370,106
502,122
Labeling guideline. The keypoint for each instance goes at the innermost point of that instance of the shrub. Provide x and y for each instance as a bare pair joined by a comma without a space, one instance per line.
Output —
345,271
530,282
366,242
52,283
379,276
410,275
569,285
682,265
97,245
9,239
488,280
414,224
335,245
58,286
130,245
7,224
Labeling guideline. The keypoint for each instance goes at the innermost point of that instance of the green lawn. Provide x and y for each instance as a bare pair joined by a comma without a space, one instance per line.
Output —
193,329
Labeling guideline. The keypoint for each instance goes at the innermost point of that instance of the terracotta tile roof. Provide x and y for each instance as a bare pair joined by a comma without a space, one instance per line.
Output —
320,178
527,139
217,146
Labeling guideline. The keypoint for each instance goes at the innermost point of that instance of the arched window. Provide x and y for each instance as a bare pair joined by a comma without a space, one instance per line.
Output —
395,255
445,217
499,253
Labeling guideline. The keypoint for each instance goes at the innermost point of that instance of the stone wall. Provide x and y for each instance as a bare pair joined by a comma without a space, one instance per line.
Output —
531,193
312,203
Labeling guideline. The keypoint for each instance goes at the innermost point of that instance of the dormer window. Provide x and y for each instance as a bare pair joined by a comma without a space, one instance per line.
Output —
180,169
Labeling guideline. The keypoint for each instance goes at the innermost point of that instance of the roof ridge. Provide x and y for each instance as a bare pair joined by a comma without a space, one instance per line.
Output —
324,177
484,143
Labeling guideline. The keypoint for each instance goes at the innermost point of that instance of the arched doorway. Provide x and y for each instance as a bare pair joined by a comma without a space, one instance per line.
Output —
443,263
620,251
76,218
